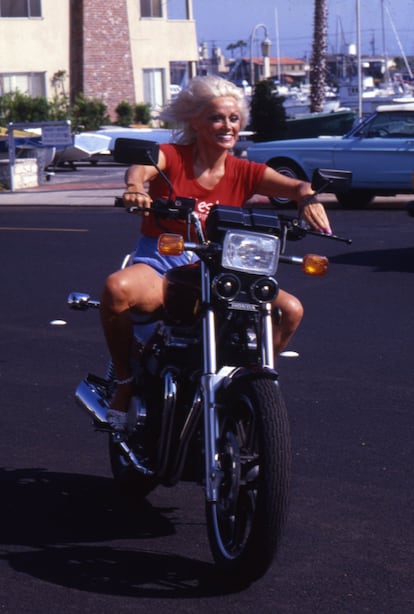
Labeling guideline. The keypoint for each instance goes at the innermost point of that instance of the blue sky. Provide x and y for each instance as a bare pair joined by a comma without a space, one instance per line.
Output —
223,22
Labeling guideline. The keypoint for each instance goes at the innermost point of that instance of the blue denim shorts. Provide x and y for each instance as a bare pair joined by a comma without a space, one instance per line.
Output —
146,252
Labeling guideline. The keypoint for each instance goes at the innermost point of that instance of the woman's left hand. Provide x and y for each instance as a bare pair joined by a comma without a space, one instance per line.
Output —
314,214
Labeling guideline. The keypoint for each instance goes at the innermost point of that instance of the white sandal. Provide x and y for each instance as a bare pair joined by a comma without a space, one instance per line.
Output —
117,420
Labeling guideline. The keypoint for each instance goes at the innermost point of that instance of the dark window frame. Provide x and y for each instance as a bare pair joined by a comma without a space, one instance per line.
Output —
151,9
18,9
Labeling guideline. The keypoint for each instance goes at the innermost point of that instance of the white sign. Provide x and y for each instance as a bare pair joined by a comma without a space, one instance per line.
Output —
56,135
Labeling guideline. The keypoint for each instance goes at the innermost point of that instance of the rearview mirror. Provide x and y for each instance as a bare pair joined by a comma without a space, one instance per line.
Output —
331,180
136,151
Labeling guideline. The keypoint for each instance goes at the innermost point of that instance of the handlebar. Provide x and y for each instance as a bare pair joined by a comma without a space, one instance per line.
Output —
181,208
297,229
166,208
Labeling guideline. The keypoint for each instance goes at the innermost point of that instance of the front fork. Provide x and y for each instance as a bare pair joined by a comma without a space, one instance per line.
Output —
211,381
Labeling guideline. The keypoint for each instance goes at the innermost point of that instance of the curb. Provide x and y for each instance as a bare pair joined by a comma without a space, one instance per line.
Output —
64,195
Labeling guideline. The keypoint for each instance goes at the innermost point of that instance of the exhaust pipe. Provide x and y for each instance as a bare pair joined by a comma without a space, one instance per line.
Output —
89,398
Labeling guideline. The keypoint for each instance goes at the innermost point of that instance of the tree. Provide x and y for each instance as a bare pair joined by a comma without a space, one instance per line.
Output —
231,47
242,46
59,105
239,45
267,113
318,62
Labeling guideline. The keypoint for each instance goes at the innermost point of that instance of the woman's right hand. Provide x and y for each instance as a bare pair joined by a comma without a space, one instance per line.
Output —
136,197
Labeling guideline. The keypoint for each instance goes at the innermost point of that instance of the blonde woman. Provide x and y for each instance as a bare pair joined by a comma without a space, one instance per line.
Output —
208,116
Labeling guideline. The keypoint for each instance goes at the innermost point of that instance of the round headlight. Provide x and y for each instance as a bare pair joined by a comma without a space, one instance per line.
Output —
264,290
226,286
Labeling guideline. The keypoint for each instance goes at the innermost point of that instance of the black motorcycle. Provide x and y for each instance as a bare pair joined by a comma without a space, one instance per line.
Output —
209,408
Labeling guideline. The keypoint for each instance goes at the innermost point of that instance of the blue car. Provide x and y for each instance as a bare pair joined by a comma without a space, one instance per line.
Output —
379,152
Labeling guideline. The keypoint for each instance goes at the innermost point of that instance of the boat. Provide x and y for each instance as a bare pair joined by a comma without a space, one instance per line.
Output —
27,143
297,102
85,145
334,123
160,135
394,92
359,91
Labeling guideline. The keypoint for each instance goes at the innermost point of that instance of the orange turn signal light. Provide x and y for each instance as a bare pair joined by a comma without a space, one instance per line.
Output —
315,265
170,244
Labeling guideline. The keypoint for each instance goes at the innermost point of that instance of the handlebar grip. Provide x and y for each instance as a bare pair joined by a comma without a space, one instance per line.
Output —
119,201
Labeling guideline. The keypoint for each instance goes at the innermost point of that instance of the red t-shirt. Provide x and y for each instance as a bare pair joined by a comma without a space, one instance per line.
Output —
238,184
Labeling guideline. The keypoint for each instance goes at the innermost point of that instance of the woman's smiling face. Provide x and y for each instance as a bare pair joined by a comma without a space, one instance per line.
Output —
218,125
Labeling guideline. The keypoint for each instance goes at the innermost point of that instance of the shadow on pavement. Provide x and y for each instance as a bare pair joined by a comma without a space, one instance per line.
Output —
381,260
51,521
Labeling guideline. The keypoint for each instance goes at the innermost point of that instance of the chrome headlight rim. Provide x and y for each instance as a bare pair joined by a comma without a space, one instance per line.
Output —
250,252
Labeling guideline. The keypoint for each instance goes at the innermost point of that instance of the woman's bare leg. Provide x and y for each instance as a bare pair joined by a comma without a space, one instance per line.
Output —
291,315
136,287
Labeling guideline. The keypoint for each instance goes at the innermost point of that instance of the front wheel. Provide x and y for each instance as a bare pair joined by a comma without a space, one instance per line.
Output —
245,523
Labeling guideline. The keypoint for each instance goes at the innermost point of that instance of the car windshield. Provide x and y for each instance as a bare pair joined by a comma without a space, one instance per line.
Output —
388,124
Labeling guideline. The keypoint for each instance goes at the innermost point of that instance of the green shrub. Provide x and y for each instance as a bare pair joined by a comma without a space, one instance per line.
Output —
125,113
18,107
142,113
59,108
88,113
85,114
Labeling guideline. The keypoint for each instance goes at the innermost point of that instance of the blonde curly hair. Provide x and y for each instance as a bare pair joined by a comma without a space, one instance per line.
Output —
193,100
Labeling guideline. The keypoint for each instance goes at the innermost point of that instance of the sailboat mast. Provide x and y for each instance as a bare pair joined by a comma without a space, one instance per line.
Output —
384,45
394,29
359,62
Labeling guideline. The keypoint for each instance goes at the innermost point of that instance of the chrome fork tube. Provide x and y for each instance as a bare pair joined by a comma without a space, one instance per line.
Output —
267,349
208,385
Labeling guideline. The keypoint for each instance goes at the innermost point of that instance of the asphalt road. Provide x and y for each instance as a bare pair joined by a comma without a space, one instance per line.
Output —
70,544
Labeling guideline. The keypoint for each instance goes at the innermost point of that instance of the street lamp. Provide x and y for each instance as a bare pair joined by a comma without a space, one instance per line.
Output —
265,46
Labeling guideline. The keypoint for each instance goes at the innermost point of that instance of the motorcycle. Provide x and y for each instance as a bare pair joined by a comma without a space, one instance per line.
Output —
208,406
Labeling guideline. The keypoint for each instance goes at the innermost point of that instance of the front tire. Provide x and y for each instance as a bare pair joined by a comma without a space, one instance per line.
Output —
245,523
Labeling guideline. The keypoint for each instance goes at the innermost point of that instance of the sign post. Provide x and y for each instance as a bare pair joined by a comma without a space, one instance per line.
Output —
54,134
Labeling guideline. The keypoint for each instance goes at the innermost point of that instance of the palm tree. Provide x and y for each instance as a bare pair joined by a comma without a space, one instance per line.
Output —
318,62
239,45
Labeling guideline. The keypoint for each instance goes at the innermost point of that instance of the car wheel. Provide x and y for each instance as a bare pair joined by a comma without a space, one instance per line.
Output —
289,169
355,199
410,208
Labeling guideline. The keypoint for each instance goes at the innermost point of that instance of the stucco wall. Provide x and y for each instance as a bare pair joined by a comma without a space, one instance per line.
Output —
104,47
37,45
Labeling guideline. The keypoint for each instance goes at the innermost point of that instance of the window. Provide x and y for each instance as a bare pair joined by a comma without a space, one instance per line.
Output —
20,8
177,9
395,124
153,87
151,8
32,84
